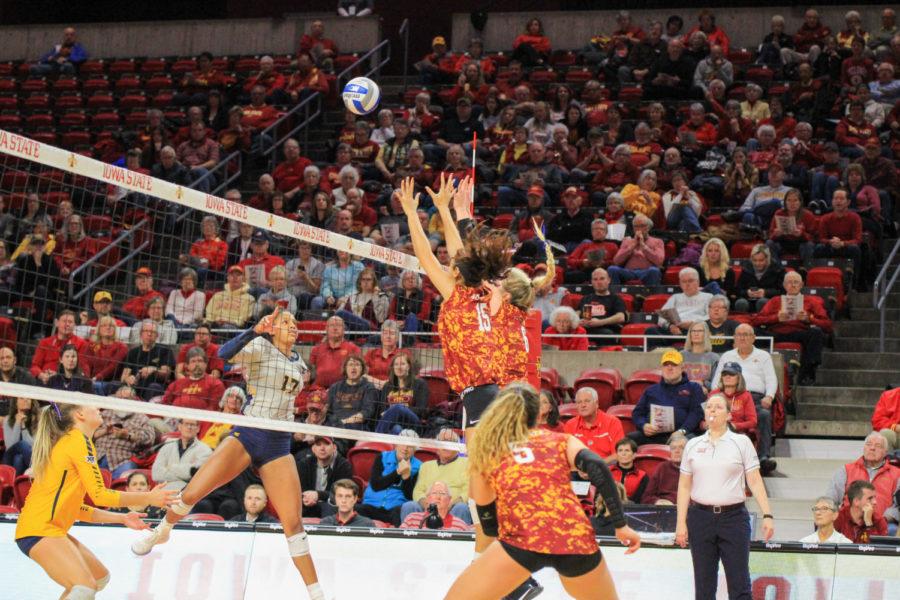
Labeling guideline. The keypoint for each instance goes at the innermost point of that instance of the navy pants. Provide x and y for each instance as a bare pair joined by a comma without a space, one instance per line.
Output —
724,536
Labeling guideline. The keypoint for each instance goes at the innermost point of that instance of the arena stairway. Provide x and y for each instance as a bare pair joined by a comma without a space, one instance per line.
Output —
853,374
805,469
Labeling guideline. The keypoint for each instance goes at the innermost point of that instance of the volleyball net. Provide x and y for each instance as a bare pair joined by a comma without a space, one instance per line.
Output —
100,251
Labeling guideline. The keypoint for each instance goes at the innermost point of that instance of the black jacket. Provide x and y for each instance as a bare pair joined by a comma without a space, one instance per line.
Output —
772,281
306,468
18,375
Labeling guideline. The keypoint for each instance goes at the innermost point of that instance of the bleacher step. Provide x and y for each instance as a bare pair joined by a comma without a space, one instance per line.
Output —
823,394
799,448
865,299
836,412
871,314
816,468
854,378
829,429
864,344
861,360
869,329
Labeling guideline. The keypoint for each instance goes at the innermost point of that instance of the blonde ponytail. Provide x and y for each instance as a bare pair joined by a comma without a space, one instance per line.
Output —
522,289
505,424
55,422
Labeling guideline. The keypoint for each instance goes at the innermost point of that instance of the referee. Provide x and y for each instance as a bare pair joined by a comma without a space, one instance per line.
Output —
711,507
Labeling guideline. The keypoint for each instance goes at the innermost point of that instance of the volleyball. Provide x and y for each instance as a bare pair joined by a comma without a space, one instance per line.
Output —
361,95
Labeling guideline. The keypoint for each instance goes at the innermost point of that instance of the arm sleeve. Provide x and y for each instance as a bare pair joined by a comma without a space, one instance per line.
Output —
230,349
84,457
419,490
377,480
598,473
695,414
639,414
168,466
770,377
838,485
638,496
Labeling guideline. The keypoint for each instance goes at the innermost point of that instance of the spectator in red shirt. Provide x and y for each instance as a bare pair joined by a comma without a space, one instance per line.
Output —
199,154
799,318
202,340
270,79
437,67
137,305
623,470
364,151
591,255
853,130
46,356
596,429
733,127
195,85
364,217
858,521
378,360
809,39
328,356
260,262
195,115
476,54
784,124
731,384
101,356
288,175
208,254
197,389
886,418
714,34
438,496
321,49
857,64
470,84
258,116
74,247
840,234
306,80
565,321
627,31
705,132
235,137
532,47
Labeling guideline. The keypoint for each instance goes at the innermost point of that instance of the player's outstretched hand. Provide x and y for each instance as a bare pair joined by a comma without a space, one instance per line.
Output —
409,200
266,325
133,520
442,197
163,498
629,537
462,198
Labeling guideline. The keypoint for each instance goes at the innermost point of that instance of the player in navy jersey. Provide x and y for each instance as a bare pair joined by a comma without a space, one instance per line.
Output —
274,374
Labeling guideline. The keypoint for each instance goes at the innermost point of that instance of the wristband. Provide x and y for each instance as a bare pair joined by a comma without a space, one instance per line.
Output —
768,516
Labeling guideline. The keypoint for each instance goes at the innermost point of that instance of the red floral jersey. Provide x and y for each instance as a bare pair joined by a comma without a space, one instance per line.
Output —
468,339
536,507
512,343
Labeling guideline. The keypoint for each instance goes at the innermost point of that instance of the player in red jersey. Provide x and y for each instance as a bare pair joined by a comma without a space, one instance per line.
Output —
521,485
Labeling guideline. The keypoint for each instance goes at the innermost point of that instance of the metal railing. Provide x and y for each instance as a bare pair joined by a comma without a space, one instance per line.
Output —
404,35
881,291
125,236
309,114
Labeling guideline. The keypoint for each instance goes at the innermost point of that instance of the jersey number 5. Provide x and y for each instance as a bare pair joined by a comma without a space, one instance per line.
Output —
289,385
484,318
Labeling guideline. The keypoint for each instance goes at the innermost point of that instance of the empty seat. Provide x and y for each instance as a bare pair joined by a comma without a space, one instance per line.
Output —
311,332
650,456
362,456
606,381
638,381
623,413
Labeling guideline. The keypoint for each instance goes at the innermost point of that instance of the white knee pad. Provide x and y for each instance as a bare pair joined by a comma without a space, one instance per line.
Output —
473,510
180,508
102,582
298,544
80,592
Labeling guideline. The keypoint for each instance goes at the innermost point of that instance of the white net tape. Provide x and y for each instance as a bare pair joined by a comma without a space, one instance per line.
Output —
16,390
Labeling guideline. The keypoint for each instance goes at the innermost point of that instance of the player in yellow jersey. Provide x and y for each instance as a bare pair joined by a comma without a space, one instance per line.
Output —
65,466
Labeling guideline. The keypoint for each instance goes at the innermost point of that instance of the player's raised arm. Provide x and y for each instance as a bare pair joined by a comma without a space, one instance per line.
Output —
441,279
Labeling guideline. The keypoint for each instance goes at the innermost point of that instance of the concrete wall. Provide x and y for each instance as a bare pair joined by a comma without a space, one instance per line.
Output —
185,38
745,26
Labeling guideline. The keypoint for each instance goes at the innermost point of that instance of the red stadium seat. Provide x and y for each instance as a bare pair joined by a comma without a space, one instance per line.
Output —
21,488
311,338
634,329
72,139
382,524
543,77
66,84
638,381
439,392
204,517
153,65
10,121
426,454
606,381
158,82
14,180
184,65
69,100
567,411
36,120
122,66
247,64
550,382
362,456
623,413
631,94
128,82
95,84
37,101
9,103
101,99
8,84
37,84
671,275
7,485
742,249
10,510
133,100
654,302
92,67
650,456
106,119
828,277
502,221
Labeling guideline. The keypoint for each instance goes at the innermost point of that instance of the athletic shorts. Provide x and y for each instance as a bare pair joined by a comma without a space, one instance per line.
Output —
26,543
567,565
475,401
263,445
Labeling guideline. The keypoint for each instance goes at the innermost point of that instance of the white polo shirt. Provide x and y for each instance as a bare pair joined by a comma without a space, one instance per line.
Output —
718,469
757,369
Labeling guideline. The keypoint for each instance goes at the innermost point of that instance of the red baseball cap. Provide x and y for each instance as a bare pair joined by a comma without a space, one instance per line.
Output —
537,190
144,271
237,268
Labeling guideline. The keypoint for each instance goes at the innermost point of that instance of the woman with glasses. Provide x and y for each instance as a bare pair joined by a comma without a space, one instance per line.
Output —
699,359
824,515
366,308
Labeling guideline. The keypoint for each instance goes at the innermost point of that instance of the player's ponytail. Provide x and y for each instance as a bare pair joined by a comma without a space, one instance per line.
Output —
483,257
522,289
55,421
503,425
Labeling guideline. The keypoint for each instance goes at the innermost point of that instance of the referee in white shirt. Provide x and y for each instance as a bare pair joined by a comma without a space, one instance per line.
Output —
762,383
711,507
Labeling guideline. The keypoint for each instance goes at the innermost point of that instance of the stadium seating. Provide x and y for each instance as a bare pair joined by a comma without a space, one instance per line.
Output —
607,382
623,413
650,456
362,456
7,485
638,381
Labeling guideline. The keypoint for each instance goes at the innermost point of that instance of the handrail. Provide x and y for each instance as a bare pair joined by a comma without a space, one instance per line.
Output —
303,104
404,33
90,262
881,290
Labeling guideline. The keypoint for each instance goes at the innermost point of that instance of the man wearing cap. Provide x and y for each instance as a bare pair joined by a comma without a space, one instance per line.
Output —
458,129
318,470
521,226
840,235
826,177
573,225
438,66
103,308
673,404
258,265
137,305
762,383
233,306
